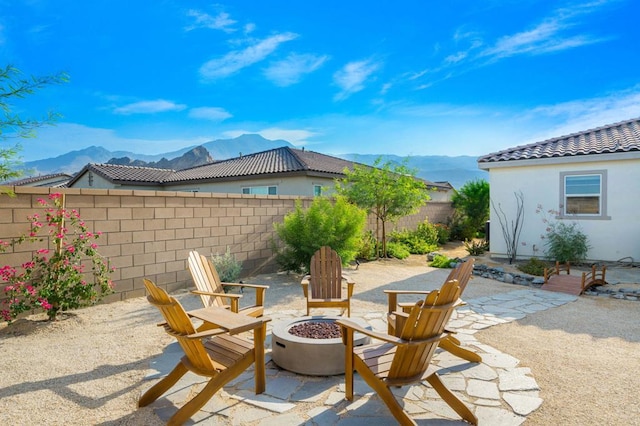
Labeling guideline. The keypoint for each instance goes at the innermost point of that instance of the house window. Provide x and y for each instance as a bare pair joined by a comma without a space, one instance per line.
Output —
317,190
584,194
260,190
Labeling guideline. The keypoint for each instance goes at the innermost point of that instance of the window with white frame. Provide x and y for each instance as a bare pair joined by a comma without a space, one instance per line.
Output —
260,190
584,193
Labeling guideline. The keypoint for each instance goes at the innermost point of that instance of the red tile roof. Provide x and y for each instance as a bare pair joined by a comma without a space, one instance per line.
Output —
618,137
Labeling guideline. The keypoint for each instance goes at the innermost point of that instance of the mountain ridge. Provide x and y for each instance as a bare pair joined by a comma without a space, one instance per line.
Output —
457,170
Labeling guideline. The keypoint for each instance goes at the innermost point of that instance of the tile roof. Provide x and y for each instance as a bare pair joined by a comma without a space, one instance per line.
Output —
53,180
278,160
120,173
623,136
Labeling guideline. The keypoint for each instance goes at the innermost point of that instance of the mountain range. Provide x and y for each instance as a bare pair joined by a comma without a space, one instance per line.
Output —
456,170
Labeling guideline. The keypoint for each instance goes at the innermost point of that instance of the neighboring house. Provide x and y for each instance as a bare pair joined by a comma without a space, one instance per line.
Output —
56,180
280,171
591,178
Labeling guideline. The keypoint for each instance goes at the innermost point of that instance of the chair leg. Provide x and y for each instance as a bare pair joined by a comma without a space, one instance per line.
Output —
384,393
163,385
186,411
452,347
452,400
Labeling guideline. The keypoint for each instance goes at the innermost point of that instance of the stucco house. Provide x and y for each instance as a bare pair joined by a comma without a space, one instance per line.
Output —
591,178
279,171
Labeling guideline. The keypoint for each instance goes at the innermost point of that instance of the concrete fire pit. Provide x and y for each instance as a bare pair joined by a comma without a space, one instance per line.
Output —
313,357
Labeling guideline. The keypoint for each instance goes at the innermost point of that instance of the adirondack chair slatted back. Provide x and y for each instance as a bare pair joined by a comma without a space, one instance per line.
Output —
427,319
326,274
179,326
206,278
462,273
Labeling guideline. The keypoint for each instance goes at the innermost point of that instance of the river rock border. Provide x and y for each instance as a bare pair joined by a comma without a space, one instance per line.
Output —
499,274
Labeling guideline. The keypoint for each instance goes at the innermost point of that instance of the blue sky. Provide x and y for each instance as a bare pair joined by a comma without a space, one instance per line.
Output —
459,77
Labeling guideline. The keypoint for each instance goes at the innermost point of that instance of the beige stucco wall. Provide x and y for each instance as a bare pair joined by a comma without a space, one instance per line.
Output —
610,238
150,233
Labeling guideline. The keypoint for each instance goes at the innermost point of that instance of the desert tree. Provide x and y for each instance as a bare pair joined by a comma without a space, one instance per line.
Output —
387,191
14,86
472,200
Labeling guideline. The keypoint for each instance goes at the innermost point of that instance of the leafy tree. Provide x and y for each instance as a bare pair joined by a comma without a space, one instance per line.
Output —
389,193
334,223
13,86
473,201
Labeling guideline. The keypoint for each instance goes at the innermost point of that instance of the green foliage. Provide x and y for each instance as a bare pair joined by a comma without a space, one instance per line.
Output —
397,250
423,239
472,201
386,192
534,266
58,279
565,242
338,224
441,261
12,86
228,267
367,248
476,247
444,233
459,228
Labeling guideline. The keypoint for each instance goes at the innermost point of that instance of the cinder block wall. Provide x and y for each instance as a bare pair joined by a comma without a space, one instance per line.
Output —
149,233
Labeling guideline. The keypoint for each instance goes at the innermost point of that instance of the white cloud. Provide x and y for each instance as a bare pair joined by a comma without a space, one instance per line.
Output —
204,20
149,107
298,137
290,70
236,60
210,113
352,77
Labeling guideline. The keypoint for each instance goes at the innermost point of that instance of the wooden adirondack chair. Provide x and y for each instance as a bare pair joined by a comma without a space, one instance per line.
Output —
325,279
462,273
405,359
222,358
211,289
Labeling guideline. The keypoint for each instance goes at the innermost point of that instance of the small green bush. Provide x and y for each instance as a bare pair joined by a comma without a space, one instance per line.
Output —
413,241
441,261
367,248
397,250
444,234
565,242
228,266
476,247
326,222
534,266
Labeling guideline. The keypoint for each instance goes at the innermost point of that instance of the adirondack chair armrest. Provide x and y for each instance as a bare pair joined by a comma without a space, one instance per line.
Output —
348,279
305,285
392,296
256,286
375,334
350,286
209,293
206,333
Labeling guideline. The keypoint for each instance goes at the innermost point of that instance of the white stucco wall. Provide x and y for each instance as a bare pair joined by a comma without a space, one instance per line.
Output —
295,185
611,239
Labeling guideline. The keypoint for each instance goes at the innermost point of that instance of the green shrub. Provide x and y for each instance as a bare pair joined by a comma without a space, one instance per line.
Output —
367,248
476,247
228,266
441,261
565,242
444,234
424,239
459,228
534,266
326,222
397,250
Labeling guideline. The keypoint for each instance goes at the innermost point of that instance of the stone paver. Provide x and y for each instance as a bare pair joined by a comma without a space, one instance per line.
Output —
497,390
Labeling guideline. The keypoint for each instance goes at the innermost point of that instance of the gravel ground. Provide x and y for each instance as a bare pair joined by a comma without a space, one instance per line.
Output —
87,368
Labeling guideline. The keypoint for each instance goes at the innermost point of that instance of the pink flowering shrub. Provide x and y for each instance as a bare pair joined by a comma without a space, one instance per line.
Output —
68,274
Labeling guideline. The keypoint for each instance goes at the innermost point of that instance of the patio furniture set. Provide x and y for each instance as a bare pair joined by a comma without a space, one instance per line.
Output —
216,349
